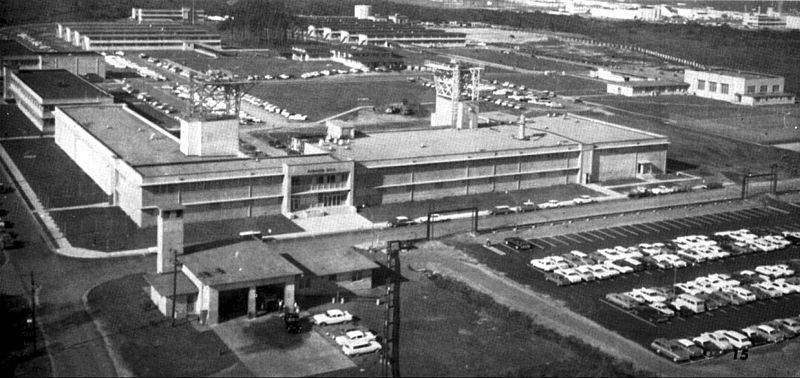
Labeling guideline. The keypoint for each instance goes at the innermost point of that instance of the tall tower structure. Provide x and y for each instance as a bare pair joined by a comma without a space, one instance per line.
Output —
170,236
456,94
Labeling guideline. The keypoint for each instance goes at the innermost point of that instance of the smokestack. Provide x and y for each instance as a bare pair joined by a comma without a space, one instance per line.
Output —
170,236
521,123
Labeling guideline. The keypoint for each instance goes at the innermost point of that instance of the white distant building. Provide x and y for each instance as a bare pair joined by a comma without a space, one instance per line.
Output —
762,21
738,87
793,22
363,12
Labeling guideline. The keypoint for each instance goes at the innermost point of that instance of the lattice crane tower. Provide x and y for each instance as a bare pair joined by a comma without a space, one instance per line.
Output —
457,91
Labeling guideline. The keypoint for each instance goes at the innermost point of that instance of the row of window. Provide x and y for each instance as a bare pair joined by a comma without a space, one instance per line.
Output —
725,88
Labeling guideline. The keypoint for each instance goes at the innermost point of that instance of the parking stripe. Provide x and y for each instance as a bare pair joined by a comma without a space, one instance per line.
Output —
638,227
574,240
682,223
538,245
660,226
605,233
692,222
778,210
556,238
627,231
616,232
596,234
545,241
718,218
649,227
580,236
702,221
709,218
736,216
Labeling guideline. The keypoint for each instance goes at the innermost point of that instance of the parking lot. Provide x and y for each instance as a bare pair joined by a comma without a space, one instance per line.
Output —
588,298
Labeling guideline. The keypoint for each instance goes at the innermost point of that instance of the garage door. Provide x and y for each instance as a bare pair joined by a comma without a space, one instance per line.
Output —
232,304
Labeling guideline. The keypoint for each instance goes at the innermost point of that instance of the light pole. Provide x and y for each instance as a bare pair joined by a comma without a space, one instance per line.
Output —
175,264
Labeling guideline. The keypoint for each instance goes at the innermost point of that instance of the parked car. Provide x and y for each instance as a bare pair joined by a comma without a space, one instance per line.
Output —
333,316
622,300
503,210
694,350
518,243
292,322
650,314
551,204
358,348
756,336
559,279
772,334
670,349
401,221
788,326
584,199
354,336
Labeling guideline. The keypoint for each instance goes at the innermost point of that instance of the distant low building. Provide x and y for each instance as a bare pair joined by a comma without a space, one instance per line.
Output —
642,81
184,14
367,57
38,92
646,88
738,87
15,56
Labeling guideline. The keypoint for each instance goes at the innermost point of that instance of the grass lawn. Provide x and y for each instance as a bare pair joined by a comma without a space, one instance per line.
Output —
485,201
323,99
247,63
109,229
769,124
56,179
144,339
447,329
518,60
15,123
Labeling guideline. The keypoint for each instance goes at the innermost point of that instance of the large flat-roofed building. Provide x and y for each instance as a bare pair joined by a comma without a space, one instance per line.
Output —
15,56
435,163
142,167
105,36
738,87
351,30
38,92
185,14
646,88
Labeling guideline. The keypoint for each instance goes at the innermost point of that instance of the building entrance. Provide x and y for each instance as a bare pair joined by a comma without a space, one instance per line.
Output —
269,298
232,304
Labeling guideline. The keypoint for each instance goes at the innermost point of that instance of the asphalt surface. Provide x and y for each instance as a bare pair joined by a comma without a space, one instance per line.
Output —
588,298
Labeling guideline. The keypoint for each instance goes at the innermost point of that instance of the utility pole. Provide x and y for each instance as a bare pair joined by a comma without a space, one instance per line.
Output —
390,354
33,312
175,265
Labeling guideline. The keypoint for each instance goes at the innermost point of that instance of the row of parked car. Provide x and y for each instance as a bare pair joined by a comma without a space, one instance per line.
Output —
576,266
122,63
353,341
710,344
551,204
266,105
708,293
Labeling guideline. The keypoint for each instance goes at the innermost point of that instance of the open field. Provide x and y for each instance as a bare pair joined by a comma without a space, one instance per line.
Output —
109,229
515,59
770,125
320,99
491,35
144,339
247,63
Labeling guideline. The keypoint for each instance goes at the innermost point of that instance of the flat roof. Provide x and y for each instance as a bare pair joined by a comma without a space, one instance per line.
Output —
10,47
737,73
543,132
649,83
332,261
59,85
153,154
236,263
163,283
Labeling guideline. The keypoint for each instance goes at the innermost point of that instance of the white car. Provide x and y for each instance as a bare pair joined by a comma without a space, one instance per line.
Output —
623,269
793,286
784,287
649,295
570,274
663,308
717,338
364,347
601,272
551,204
743,293
550,263
333,316
354,336
768,288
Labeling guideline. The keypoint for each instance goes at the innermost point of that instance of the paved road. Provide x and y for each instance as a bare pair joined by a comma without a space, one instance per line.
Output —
75,346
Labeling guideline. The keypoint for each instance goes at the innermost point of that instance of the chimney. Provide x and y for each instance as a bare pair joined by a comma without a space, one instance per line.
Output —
521,123
170,236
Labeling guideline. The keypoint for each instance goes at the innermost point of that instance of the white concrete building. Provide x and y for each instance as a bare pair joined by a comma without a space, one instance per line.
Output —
738,87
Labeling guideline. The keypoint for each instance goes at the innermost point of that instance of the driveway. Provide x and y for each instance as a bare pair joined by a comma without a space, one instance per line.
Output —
267,350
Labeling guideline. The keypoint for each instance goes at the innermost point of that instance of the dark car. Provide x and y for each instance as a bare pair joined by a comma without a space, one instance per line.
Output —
711,350
401,221
558,279
788,332
694,350
758,292
518,243
670,349
651,314
292,322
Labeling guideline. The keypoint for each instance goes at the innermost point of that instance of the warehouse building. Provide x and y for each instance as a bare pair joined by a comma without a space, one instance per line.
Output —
367,57
38,92
738,87
15,56
544,151
646,88
350,30
142,167
185,14
111,36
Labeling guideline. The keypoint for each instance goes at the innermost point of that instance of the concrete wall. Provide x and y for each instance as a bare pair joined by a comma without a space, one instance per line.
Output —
622,163
737,85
